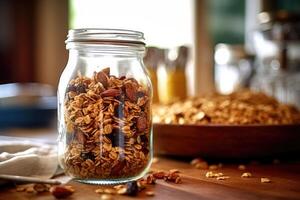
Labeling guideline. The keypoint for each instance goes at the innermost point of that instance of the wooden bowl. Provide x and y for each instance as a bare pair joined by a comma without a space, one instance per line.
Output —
227,141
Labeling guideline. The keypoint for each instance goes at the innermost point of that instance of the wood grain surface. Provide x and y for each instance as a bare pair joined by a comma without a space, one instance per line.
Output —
285,184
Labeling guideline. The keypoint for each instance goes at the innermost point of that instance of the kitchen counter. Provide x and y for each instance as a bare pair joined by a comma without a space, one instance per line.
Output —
285,184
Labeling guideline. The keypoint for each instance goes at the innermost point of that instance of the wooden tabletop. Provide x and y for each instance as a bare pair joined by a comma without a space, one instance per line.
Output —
285,184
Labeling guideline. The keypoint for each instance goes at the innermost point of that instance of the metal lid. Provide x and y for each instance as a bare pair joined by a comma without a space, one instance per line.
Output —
111,36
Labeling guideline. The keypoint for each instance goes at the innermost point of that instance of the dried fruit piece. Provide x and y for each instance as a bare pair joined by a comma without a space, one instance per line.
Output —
61,191
246,175
141,123
132,188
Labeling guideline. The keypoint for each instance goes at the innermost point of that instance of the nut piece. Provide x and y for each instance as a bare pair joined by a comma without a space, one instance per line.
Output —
246,175
61,191
131,91
102,78
111,93
265,180
159,174
150,179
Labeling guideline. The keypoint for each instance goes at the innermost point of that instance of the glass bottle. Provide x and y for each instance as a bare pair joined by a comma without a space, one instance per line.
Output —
104,107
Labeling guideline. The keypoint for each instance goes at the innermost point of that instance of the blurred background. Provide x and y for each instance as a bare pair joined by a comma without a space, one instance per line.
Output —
199,46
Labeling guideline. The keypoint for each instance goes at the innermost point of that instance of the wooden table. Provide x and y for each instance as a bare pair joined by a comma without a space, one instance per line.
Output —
285,184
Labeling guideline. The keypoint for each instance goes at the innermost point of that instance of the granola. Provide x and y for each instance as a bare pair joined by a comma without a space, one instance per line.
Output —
243,107
108,125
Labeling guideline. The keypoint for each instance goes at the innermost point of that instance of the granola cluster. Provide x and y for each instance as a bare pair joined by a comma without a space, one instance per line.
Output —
243,107
108,124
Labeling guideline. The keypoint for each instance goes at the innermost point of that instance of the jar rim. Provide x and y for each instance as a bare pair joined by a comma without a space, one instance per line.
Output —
105,35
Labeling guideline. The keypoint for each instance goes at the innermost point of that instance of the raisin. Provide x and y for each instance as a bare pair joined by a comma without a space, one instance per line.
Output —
88,155
71,88
116,138
141,123
144,139
80,88
132,188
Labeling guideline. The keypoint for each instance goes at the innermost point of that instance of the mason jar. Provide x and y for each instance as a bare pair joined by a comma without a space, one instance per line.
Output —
104,107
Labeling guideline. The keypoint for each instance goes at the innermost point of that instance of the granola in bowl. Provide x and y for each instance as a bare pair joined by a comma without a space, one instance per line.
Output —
239,108
108,127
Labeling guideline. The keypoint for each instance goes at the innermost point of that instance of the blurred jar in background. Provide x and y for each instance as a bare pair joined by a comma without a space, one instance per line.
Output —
233,68
172,83
277,46
153,57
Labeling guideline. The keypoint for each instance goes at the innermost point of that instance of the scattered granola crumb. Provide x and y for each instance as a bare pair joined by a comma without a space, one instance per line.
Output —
20,188
122,190
109,191
242,167
173,177
222,178
61,191
150,193
218,174
174,171
150,179
106,197
159,174
155,160
210,175
246,175
265,180
99,191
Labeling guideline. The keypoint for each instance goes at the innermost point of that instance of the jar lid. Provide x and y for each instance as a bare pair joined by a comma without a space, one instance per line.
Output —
99,35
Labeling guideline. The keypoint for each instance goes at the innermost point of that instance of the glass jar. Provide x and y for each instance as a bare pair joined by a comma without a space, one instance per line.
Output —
104,107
